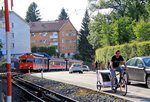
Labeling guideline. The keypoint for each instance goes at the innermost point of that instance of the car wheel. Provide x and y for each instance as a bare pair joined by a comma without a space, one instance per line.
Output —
148,81
81,72
70,72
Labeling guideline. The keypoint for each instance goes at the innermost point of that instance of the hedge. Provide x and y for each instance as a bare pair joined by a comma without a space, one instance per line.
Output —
127,50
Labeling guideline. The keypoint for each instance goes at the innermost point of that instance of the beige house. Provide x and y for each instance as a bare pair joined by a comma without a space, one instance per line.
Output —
59,33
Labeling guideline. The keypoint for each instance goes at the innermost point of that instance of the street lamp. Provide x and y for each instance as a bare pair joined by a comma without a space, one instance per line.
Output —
66,60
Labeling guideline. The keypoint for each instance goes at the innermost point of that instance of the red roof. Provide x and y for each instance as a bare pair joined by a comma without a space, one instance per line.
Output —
46,26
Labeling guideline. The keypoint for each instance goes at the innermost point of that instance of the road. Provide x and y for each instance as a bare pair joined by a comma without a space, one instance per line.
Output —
136,92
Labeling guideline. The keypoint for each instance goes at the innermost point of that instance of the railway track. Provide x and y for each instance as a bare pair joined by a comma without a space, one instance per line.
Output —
34,92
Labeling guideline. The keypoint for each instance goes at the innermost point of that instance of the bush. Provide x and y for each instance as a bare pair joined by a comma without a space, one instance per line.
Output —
51,50
127,50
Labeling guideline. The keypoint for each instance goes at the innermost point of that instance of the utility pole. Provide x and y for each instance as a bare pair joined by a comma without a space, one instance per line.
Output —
8,65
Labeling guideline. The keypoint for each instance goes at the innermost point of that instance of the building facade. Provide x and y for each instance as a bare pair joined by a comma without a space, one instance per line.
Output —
59,33
20,34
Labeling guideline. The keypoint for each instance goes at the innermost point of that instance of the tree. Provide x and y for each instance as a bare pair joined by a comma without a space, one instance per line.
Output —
33,14
95,26
63,15
132,8
85,48
51,50
125,30
142,30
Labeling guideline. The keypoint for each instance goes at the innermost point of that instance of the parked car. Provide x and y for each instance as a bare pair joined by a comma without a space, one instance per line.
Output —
139,70
75,68
85,68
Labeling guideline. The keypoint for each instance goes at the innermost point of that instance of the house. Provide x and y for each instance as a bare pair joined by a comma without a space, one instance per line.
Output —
20,34
59,33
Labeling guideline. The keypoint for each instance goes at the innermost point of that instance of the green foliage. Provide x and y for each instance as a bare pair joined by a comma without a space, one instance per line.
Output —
127,50
78,56
84,47
105,33
63,15
51,50
142,30
95,27
125,30
32,14
132,8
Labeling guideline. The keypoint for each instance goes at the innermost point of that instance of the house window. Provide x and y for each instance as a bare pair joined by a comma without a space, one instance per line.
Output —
12,35
45,34
70,41
54,40
33,41
54,34
12,45
62,33
32,34
40,41
63,48
62,40
70,34
74,41
74,33
12,25
40,34
45,41
70,47
67,41
3,25
66,34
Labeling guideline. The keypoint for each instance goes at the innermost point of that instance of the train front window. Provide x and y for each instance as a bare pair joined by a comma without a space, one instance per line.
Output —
29,60
22,60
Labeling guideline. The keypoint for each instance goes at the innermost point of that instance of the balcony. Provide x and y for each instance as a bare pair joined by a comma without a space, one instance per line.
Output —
54,35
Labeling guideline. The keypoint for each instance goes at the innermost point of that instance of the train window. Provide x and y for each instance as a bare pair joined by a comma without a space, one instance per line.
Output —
30,60
46,61
38,61
22,60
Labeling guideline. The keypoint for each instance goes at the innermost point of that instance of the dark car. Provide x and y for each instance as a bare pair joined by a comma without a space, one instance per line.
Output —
139,70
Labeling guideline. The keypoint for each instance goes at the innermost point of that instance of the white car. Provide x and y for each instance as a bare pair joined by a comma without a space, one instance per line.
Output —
75,68
85,68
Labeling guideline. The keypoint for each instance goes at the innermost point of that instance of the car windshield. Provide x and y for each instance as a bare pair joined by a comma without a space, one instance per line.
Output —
77,65
84,66
147,61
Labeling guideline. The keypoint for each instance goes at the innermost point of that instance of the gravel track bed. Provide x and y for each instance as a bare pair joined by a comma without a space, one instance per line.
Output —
72,91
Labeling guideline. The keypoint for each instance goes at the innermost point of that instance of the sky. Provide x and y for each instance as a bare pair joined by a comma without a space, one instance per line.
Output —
50,9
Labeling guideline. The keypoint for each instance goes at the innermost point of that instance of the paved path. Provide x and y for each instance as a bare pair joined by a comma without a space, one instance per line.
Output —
136,92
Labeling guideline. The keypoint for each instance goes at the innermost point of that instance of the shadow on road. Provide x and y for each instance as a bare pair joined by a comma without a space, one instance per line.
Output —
141,98
139,85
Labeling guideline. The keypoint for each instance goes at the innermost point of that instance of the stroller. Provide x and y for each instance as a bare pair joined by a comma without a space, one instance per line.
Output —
103,79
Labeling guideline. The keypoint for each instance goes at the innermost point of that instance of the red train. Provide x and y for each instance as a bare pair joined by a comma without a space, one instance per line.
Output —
39,62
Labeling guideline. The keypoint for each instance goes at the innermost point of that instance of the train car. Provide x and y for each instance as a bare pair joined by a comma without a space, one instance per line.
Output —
60,64
33,62
57,64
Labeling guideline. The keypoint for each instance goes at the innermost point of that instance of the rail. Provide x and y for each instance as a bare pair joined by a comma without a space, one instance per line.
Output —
39,93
